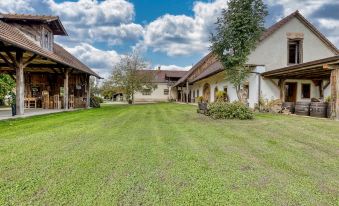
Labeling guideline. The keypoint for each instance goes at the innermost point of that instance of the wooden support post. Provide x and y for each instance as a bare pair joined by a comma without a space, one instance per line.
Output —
335,94
187,92
282,89
181,94
20,84
88,102
66,95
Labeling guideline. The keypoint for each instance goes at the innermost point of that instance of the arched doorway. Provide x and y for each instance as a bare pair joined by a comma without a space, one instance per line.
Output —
207,92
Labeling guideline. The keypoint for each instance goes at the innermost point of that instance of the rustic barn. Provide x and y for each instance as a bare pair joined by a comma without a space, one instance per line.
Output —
46,75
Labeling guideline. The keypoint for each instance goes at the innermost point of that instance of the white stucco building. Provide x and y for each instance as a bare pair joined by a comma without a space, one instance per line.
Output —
163,82
288,64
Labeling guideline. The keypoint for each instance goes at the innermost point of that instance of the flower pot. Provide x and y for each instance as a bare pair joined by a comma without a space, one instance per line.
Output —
202,107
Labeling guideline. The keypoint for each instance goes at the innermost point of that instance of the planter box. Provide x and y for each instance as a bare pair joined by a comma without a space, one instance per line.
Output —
202,108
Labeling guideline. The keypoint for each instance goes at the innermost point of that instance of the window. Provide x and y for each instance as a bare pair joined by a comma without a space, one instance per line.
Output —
47,39
146,92
198,93
305,91
166,91
226,94
294,51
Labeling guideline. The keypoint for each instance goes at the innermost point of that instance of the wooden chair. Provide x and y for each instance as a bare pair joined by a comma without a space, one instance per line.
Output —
71,102
56,102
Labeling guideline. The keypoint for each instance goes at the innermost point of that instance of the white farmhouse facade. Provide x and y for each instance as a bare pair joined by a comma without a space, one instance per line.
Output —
293,62
163,82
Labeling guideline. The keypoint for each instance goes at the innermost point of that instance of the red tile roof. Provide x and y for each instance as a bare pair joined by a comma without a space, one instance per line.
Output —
161,75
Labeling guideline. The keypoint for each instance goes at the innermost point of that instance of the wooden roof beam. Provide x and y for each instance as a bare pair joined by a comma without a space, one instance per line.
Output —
9,54
7,63
330,66
30,60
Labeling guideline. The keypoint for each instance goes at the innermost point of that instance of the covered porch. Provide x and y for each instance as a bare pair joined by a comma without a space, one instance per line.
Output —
324,75
50,80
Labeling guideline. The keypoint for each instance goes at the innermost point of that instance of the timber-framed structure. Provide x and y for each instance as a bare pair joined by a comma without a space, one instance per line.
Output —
46,75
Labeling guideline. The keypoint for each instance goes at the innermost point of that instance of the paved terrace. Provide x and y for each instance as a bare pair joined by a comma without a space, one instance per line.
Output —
6,113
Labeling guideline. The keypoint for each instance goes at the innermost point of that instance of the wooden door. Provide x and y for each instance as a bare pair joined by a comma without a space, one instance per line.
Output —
291,92
207,92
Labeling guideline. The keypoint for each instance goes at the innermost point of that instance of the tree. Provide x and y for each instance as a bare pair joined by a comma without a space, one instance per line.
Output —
94,88
238,32
129,76
107,89
7,85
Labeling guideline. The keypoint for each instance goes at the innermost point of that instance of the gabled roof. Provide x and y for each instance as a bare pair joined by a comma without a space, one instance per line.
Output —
161,75
197,65
52,21
270,31
13,36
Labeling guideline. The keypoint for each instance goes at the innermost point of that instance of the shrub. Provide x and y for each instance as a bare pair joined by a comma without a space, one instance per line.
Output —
96,101
225,110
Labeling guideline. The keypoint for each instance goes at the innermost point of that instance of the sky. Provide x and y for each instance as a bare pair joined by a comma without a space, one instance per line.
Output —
173,34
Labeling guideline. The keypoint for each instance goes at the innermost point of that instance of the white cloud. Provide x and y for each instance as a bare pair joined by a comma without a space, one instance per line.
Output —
329,23
332,27
93,21
116,35
306,7
93,12
99,60
11,6
183,35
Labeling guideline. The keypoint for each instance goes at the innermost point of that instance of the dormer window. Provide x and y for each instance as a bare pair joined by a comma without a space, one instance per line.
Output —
294,51
47,39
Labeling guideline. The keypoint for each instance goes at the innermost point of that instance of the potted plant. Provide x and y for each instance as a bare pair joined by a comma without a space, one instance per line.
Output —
221,96
202,104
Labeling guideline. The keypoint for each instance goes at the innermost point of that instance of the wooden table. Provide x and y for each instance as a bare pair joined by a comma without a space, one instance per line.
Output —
30,102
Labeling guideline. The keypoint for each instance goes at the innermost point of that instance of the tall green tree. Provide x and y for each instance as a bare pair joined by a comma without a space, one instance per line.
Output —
7,85
238,31
128,75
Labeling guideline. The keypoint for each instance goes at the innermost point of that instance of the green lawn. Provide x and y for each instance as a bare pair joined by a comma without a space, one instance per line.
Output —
167,154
